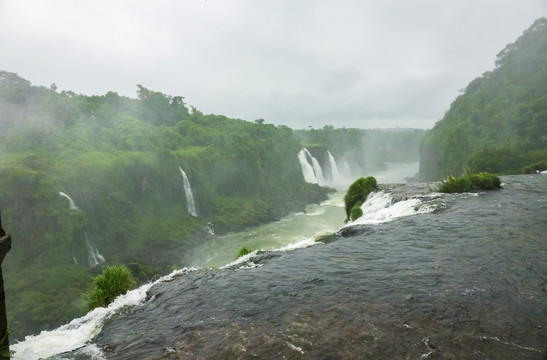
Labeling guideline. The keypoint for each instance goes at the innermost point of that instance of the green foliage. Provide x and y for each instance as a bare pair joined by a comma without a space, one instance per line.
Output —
470,182
499,123
539,166
107,286
356,211
243,251
357,193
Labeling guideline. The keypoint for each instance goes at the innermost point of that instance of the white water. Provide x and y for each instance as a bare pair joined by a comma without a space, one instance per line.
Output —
338,179
93,255
80,331
190,204
307,169
71,203
317,169
379,208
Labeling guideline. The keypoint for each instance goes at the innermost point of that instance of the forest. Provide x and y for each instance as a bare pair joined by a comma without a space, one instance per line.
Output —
90,181
499,123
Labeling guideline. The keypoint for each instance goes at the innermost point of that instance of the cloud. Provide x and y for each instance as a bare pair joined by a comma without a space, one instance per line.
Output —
309,62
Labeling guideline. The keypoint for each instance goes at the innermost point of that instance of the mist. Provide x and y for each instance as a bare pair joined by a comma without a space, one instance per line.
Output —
358,64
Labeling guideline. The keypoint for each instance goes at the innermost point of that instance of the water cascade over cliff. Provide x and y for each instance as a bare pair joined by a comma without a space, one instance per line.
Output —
84,249
324,171
190,204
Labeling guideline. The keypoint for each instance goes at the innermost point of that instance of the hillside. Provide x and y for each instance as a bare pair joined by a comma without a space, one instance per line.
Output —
499,123
93,180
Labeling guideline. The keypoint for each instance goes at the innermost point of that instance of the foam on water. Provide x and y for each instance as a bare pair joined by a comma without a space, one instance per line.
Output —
380,208
80,331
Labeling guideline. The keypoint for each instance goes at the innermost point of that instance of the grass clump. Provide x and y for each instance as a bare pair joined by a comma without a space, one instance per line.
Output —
115,280
356,195
470,182
243,251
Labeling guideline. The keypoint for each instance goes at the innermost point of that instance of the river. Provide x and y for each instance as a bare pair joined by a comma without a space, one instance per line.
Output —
428,277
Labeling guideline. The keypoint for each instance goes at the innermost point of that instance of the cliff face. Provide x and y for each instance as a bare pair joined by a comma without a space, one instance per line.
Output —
499,123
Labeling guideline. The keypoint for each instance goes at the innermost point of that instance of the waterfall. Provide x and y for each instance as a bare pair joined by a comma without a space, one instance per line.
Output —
70,201
380,208
337,177
307,169
93,255
312,172
190,205
317,169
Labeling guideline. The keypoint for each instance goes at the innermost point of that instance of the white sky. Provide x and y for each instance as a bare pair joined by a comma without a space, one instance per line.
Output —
352,63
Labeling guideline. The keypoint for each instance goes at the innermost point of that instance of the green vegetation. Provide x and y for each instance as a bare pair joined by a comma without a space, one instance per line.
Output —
107,286
356,211
533,168
243,251
118,159
356,195
499,123
470,182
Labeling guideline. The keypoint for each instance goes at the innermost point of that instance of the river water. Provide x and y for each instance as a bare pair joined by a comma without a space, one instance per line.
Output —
428,277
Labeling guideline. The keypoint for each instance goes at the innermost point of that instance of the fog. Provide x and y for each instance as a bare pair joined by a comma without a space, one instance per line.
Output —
348,63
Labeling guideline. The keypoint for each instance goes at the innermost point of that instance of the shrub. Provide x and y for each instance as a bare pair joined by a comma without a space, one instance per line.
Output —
481,181
358,192
107,286
243,251
356,211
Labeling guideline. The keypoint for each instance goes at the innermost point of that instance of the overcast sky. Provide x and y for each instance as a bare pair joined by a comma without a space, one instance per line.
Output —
347,63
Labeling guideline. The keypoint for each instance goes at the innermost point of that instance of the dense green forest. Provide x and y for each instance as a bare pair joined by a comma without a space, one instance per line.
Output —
499,123
117,159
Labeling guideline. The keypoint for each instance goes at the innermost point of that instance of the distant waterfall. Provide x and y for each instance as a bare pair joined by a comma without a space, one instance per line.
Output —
190,204
337,177
317,169
93,255
307,169
312,172
70,201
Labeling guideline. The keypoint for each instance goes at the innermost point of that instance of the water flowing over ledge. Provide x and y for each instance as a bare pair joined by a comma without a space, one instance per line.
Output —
80,331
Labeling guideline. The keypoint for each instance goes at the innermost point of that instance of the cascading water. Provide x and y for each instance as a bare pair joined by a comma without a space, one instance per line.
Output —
307,169
317,169
70,201
94,257
337,177
312,172
380,207
190,204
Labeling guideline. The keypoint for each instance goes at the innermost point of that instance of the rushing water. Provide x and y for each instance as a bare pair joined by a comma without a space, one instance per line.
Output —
451,276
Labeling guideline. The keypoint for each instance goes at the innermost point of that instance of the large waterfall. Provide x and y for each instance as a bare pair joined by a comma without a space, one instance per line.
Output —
94,257
190,204
307,169
313,172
